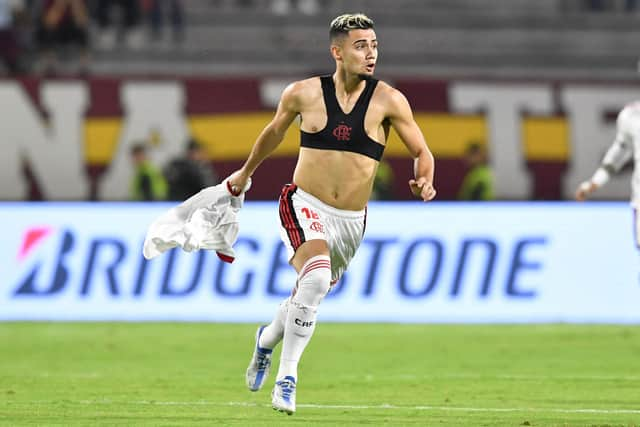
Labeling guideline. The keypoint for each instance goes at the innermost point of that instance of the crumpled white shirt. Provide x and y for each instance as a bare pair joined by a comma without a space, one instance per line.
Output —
207,220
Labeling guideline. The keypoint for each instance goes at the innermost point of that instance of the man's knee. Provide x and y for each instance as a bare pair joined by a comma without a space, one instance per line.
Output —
313,281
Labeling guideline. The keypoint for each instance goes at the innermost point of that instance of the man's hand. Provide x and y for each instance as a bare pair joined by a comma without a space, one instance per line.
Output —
584,190
422,188
237,181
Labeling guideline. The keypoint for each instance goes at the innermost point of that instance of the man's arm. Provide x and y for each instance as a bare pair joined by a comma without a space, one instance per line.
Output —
616,156
402,120
270,137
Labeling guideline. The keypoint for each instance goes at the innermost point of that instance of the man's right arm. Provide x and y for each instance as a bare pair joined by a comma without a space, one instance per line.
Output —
270,137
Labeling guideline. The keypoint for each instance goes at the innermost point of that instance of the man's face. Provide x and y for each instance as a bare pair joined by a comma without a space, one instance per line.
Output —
358,52
198,154
138,157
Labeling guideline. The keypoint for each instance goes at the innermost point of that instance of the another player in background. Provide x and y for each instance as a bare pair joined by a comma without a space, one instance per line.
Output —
345,121
625,147
477,184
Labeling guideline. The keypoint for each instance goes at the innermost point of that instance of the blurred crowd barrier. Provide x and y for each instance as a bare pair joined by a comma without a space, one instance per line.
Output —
576,38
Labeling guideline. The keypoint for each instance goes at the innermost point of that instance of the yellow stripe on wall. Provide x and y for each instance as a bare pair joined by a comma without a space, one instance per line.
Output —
101,138
231,136
545,138
446,135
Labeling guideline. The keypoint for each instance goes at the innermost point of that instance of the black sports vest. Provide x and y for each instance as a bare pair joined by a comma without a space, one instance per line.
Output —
344,132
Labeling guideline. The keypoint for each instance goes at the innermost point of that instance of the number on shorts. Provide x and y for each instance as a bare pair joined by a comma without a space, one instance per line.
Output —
309,213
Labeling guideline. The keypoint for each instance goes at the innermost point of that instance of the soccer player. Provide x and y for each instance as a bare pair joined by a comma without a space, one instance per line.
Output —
345,121
625,145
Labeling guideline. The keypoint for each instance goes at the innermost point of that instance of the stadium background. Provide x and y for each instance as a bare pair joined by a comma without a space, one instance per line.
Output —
539,83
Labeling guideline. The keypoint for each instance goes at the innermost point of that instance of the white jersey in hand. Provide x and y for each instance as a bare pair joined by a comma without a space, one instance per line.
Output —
207,220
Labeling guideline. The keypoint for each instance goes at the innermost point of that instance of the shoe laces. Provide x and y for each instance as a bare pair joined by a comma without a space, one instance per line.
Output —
262,360
288,388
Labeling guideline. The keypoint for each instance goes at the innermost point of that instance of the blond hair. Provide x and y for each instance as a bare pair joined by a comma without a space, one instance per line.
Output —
341,25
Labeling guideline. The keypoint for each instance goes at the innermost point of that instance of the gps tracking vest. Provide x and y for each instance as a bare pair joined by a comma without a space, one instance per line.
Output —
344,132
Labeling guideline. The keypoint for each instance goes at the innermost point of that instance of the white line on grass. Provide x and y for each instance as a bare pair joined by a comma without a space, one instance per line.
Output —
411,377
514,377
426,377
382,406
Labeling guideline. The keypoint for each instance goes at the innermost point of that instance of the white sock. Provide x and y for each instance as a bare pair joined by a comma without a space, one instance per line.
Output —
299,327
313,285
272,334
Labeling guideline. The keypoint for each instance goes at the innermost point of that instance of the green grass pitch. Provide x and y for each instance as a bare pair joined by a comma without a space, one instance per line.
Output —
168,374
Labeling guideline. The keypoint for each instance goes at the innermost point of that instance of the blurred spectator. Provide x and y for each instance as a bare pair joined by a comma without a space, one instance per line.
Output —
119,21
158,11
596,5
9,47
244,3
478,181
283,7
189,174
148,183
62,26
383,182
610,5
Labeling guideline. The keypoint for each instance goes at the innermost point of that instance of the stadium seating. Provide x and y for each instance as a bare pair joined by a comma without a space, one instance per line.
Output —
494,38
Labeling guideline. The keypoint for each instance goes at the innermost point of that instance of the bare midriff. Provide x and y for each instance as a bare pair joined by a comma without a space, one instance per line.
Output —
340,179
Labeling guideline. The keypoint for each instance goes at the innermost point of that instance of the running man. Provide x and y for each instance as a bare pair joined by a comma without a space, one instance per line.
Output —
625,147
345,122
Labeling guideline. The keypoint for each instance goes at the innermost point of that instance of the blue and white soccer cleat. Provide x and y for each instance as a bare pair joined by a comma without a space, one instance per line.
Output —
258,369
283,396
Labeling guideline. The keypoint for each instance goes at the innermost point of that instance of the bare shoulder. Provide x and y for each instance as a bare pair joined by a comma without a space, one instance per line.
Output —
303,91
391,98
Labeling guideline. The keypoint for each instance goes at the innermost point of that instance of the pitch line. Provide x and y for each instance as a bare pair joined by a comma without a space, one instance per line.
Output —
377,407
453,376
515,377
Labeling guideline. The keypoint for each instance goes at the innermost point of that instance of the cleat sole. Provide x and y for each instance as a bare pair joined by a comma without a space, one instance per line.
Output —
283,411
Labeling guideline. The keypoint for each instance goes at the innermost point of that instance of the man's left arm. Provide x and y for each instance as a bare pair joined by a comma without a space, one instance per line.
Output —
401,118
618,154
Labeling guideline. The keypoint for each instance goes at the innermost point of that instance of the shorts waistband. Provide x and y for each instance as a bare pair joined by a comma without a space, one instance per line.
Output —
322,206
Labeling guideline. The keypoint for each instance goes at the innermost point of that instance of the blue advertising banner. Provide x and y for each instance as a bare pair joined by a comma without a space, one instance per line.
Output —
434,262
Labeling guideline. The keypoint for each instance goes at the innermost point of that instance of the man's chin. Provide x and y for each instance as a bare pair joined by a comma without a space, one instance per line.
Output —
365,76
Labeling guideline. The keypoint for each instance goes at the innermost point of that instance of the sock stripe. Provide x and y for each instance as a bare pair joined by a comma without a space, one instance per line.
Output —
316,268
318,262
322,263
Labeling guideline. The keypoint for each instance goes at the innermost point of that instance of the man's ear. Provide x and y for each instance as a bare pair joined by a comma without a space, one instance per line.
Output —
336,52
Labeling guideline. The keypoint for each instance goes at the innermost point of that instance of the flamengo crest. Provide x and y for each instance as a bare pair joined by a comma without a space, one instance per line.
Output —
342,132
